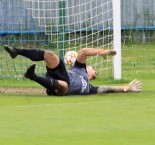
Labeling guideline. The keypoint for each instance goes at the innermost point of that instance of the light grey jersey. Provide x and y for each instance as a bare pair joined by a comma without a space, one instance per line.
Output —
79,83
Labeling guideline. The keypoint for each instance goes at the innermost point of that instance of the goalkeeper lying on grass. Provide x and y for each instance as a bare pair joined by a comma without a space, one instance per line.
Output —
75,81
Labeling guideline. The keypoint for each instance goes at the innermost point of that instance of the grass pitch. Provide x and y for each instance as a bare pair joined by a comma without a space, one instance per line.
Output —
111,119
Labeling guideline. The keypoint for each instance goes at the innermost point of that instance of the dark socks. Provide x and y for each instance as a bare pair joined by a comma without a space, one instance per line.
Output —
33,54
47,82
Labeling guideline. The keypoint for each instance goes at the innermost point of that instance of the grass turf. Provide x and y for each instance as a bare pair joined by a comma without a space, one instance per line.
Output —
111,119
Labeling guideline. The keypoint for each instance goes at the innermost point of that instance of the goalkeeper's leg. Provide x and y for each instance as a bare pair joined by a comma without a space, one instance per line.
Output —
51,59
33,54
55,87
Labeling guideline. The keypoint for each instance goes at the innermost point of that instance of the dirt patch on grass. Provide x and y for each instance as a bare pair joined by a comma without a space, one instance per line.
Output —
8,90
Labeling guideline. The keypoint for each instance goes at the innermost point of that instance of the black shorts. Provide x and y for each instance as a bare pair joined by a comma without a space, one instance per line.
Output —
58,73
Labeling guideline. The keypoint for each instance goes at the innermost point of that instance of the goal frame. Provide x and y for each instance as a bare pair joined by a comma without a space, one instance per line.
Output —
117,38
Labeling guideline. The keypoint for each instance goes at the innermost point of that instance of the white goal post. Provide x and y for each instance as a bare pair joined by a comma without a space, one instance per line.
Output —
117,38
62,25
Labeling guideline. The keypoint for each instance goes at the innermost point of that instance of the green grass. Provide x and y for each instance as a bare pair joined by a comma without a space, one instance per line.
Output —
110,119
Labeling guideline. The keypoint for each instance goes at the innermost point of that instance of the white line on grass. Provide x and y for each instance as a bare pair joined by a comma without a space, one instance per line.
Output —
77,103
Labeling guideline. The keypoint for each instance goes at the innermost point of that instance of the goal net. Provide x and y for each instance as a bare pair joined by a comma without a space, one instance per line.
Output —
63,25
58,25
138,35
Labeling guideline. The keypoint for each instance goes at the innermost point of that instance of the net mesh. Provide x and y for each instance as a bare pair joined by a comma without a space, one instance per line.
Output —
63,25
59,26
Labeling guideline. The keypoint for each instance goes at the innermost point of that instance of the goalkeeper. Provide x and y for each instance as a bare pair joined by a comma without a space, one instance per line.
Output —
75,81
